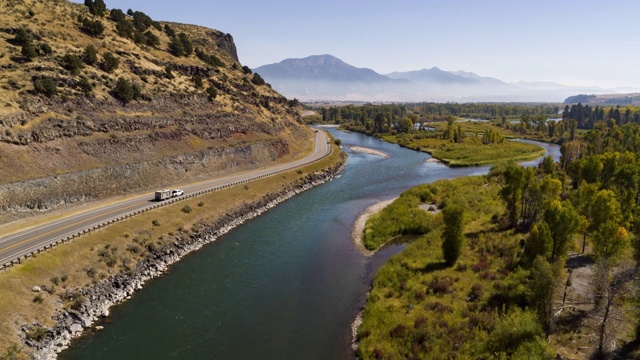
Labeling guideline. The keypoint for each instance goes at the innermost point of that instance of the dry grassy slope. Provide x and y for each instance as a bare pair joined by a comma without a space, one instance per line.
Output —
71,132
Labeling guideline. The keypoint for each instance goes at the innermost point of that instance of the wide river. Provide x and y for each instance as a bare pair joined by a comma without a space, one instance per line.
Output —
286,285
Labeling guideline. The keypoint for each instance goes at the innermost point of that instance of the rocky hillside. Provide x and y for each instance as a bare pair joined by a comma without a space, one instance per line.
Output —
96,102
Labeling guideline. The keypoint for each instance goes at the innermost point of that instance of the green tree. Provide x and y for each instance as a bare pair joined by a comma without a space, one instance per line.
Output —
197,81
109,62
548,166
22,37
126,91
537,194
125,29
117,15
583,200
449,132
605,209
563,222
29,51
610,242
45,86
169,31
93,28
258,80
539,243
90,55
512,189
97,7
176,48
591,169
212,92
543,284
44,49
405,125
72,63
151,39
452,235
85,86
186,44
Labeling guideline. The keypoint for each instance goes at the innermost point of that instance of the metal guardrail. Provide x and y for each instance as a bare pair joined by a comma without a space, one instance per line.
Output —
97,226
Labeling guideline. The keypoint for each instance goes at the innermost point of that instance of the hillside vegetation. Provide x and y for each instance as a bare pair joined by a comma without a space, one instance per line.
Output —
91,96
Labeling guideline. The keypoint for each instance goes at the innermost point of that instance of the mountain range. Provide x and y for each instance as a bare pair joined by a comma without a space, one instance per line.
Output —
325,77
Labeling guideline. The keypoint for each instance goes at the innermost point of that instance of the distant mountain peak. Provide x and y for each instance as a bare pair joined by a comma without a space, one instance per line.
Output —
318,67
325,77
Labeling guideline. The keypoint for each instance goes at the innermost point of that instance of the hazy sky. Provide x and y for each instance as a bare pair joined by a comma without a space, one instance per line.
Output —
589,42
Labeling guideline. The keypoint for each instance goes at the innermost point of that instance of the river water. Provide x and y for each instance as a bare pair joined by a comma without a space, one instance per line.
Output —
286,285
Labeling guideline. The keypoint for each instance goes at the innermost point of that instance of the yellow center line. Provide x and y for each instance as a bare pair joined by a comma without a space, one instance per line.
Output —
64,227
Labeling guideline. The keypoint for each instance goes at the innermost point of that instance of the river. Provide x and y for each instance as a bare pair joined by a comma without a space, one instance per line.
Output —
286,285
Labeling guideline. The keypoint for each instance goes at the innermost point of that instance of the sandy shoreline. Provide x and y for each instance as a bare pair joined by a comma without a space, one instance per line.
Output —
368,151
361,221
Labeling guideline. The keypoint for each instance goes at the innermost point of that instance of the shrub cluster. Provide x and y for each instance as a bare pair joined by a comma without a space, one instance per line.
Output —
137,29
109,62
258,80
45,86
180,45
91,27
126,91
90,55
72,63
209,59
96,7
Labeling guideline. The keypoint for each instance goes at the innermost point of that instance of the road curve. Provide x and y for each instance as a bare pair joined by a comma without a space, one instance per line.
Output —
22,244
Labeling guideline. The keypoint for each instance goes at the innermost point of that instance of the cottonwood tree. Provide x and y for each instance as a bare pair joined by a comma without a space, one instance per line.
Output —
452,235
583,200
512,189
563,222
542,287
537,194
539,244
609,244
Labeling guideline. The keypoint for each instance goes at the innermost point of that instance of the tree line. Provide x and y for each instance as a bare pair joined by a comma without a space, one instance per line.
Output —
593,192
587,117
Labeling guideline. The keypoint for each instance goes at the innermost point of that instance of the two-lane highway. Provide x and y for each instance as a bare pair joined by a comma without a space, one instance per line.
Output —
19,244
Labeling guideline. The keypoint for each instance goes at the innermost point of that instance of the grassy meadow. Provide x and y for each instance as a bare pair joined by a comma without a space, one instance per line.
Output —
470,151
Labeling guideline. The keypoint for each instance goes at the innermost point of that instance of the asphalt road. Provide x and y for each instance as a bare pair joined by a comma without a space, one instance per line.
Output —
20,244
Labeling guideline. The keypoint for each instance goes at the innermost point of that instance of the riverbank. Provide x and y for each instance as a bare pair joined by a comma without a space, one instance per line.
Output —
103,295
361,221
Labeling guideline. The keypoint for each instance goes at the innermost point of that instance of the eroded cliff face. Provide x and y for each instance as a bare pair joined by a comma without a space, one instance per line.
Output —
192,115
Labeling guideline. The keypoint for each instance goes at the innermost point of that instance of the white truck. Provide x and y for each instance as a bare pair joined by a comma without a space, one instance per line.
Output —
165,194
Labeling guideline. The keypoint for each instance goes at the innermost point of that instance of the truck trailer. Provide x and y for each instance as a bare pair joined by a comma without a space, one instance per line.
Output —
162,195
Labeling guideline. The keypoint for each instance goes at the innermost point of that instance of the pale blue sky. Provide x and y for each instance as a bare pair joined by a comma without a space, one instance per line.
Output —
589,42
